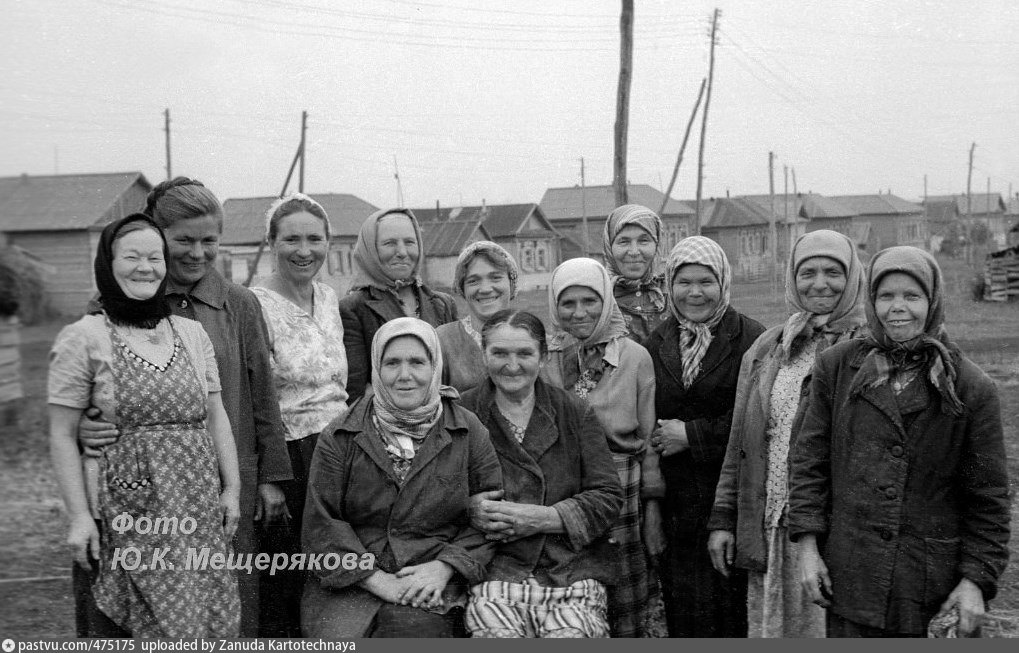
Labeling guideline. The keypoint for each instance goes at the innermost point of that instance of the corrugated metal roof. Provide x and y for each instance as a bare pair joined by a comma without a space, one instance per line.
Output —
736,212
448,238
244,218
598,201
819,206
878,204
62,202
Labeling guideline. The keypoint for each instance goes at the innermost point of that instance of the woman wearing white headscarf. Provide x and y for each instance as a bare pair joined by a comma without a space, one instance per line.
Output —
390,484
630,246
825,292
389,257
592,357
696,354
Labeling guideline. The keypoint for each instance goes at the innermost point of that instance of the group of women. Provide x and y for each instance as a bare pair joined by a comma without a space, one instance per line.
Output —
645,461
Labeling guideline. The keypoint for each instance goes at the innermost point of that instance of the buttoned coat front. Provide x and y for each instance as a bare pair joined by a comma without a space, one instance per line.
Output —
905,499
563,462
356,505
364,310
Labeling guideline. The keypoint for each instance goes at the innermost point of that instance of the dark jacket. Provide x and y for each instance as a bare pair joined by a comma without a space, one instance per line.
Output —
705,407
364,310
355,504
563,462
742,493
905,499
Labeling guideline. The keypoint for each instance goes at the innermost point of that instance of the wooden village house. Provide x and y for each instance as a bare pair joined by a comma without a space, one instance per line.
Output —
443,242
566,208
244,230
893,220
58,220
742,226
988,209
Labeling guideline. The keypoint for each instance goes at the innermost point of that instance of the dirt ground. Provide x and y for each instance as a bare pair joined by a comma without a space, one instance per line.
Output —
35,567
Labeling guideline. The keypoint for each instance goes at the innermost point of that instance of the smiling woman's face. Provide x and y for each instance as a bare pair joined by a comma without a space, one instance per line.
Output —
397,245
513,358
579,308
901,305
695,292
486,288
406,371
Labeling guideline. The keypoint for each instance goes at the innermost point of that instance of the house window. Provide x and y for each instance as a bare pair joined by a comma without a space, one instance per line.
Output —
673,234
541,250
336,263
753,242
527,256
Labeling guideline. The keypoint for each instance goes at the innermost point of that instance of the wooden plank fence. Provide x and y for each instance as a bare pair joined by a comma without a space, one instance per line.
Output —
1001,275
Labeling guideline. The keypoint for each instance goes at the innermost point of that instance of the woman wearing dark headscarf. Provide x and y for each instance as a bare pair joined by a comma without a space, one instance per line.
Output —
389,258
696,354
630,246
390,483
154,376
898,472
825,291
592,357
486,277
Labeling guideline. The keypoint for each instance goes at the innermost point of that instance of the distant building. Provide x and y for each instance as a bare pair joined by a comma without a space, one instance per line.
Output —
522,229
743,228
893,220
988,209
566,208
244,231
59,218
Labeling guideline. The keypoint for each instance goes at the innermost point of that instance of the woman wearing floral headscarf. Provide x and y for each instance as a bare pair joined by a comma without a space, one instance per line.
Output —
696,354
388,285
486,277
630,245
390,484
898,472
825,291
592,357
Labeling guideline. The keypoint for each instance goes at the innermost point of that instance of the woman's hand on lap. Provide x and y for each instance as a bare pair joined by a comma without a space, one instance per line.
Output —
426,583
523,519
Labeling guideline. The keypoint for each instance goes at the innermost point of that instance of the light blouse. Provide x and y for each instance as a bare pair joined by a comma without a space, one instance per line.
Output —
309,362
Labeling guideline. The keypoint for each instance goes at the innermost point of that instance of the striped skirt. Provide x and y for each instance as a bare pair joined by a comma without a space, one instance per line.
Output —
501,609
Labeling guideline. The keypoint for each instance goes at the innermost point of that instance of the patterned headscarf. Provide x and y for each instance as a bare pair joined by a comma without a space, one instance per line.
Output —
886,355
696,337
648,220
490,250
403,430
366,254
848,313
581,355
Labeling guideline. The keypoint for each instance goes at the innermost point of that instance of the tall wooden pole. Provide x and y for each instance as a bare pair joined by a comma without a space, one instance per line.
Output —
774,227
682,148
304,130
969,206
261,246
169,170
785,206
583,208
704,123
623,101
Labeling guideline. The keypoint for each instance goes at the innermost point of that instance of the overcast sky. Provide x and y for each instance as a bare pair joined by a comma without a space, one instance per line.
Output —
499,100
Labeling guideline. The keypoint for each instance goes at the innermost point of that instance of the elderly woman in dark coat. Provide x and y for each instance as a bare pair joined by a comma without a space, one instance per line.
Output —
825,290
898,472
389,486
389,256
696,354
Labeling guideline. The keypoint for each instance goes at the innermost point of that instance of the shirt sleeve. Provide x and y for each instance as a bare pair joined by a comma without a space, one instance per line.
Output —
209,354
71,374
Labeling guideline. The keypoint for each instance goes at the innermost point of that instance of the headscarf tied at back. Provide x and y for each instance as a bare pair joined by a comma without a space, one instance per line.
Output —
848,313
121,309
582,355
648,220
696,337
488,249
402,430
370,271
933,345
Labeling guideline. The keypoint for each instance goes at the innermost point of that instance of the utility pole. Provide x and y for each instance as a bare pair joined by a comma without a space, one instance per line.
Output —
785,204
969,205
583,207
399,187
704,122
169,171
796,192
304,129
253,267
682,148
774,227
623,102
